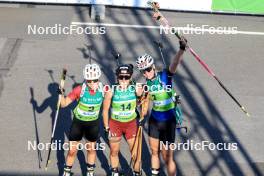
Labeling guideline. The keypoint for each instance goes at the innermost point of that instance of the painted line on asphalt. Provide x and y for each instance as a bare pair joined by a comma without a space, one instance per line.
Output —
186,29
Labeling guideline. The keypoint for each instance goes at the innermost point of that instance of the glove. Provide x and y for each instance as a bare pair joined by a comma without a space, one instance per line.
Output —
60,91
183,43
106,132
140,123
156,4
177,99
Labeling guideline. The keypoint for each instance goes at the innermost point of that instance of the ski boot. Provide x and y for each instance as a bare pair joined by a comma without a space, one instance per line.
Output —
67,171
135,173
154,172
90,169
114,172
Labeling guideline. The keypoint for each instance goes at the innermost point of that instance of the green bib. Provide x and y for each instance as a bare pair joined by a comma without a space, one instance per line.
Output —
88,107
124,105
162,99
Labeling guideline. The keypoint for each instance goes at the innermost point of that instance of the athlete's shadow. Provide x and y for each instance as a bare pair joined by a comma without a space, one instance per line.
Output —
63,125
86,51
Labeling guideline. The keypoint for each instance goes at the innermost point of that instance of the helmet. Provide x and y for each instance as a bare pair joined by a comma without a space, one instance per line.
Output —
125,69
144,61
91,72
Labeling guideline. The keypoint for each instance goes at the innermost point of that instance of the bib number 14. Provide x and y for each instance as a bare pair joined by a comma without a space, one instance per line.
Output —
124,107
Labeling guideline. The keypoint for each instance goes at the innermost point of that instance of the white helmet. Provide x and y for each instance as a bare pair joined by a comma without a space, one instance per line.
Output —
144,61
91,72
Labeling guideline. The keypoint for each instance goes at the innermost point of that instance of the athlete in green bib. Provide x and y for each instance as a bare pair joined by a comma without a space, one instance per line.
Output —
122,99
162,121
89,95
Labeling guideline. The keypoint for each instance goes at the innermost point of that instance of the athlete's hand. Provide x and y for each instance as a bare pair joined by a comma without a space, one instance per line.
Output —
156,4
140,123
106,132
183,43
178,99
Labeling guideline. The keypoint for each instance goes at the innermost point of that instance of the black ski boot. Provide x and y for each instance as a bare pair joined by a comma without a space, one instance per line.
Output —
114,172
90,169
67,171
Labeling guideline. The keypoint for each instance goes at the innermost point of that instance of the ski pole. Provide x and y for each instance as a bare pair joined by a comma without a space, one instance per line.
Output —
164,22
63,76
159,44
136,151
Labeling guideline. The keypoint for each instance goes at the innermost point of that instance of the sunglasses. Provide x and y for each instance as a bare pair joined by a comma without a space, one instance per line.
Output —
94,81
147,70
126,77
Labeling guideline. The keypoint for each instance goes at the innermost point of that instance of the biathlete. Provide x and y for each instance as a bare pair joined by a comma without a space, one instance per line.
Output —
122,99
90,95
162,121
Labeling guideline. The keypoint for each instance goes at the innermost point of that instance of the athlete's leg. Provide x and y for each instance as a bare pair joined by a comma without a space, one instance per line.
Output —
71,157
75,136
130,133
91,157
72,153
168,157
115,134
91,152
114,151
167,135
91,134
154,147
154,142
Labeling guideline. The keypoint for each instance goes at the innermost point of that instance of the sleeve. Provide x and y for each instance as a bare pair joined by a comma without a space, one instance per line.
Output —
168,73
75,93
166,77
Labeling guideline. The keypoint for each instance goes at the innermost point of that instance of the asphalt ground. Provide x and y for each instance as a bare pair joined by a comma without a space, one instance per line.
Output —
37,60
